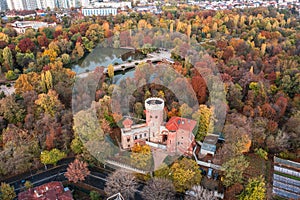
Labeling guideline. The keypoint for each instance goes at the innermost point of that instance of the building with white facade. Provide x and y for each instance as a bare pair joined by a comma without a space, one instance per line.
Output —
21,26
62,4
99,11
3,5
30,4
122,4
15,5
48,4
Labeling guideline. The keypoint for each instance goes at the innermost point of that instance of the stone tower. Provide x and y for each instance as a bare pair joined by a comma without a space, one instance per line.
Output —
154,117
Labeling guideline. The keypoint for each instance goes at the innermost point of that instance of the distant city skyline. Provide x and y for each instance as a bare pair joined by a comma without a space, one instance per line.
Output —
38,4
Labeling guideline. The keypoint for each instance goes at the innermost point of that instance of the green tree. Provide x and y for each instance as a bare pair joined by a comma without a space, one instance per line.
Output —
76,145
255,190
184,173
8,59
28,185
185,110
94,195
234,169
52,157
12,111
262,153
7,192
10,75
86,126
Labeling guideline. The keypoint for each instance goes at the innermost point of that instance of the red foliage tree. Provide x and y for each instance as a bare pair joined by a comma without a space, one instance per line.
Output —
26,45
268,111
199,86
43,41
281,103
77,171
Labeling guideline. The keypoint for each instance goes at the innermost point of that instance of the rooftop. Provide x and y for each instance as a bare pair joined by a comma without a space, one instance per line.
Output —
176,123
48,191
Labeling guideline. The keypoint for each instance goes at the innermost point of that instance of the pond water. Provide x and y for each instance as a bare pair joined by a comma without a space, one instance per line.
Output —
105,56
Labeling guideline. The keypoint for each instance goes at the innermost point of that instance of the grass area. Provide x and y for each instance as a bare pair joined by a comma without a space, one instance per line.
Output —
287,175
257,166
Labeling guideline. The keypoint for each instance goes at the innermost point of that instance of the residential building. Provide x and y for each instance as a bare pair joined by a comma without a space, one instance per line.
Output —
62,4
48,191
121,4
175,137
48,4
20,13
30,4
99,11
74,3
3,5
15,5
21,26
209,144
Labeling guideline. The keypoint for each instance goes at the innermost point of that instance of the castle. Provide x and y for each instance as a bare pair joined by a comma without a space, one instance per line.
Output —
175,136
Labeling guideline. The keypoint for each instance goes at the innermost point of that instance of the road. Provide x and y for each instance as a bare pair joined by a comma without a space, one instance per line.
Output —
97,178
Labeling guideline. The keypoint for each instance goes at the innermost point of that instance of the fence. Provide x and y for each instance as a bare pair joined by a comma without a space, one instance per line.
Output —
160,146
122,165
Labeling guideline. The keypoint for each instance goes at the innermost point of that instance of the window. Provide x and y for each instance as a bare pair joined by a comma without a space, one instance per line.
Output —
128,139
181,137
128,145
178,143
135,137
182,121
145,134
150,116
156,117
140,135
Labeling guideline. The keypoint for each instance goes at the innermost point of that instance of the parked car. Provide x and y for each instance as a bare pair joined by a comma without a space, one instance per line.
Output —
203,172
216,175
209,173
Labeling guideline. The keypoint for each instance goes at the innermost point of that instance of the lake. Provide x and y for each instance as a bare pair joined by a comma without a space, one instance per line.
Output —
105,56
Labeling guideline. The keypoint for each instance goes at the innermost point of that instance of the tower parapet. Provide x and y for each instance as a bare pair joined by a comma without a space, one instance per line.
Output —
154,117
154,103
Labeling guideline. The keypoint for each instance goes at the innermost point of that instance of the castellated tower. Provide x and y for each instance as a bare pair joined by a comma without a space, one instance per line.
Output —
154,117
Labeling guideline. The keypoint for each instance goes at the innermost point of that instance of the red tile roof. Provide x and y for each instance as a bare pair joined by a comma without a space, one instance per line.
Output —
49,191
176,123
127,122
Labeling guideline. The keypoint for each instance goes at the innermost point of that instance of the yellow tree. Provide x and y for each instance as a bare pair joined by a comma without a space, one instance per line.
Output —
171,26
141,156
4,37
111,71
51,53
185,173
205,121
263,48
22,84
49,103
189,30
255,190
46,81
